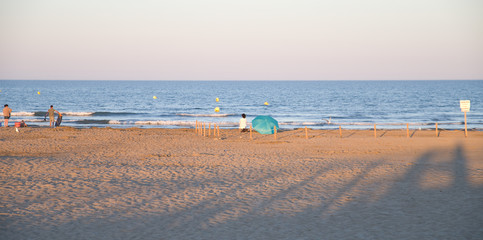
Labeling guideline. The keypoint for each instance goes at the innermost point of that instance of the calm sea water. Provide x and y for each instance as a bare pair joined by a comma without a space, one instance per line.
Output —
316,104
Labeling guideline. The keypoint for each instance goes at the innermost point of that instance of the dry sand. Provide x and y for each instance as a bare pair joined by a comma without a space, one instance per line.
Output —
68,183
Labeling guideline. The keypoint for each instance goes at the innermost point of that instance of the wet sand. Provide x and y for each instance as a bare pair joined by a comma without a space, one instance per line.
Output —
103,183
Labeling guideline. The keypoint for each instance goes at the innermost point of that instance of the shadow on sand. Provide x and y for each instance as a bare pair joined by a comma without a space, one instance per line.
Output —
407,209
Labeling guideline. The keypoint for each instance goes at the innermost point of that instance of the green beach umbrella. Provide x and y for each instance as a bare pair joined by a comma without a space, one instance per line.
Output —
264,124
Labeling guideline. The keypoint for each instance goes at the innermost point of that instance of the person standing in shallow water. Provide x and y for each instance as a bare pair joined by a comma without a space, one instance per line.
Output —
51,114
7,112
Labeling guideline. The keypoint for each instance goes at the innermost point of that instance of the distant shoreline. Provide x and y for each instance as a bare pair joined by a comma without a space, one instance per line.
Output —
233,129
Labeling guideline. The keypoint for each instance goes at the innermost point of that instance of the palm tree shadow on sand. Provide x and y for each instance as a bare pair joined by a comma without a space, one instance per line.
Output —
407,210
410,207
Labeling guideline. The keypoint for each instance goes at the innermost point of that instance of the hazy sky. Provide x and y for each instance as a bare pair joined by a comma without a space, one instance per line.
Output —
241,40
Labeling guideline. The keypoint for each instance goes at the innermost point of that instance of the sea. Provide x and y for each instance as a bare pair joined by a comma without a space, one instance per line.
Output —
294,104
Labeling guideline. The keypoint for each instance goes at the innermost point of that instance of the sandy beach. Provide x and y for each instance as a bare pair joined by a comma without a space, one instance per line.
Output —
103,183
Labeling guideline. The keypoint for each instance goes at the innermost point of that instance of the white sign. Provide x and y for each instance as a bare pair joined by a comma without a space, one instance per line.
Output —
465,105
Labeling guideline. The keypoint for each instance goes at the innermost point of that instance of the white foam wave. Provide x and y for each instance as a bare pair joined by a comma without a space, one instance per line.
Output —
23,113
34,120
172,123
41,120
303,123
204,115
77,113
63,113
358,124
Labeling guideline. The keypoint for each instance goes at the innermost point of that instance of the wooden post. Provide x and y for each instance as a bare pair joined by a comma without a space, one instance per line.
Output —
436,129
306,133
275,132
209,129
196,126
407,130
375,134
218,128
250,132
340,131
204,129
466,131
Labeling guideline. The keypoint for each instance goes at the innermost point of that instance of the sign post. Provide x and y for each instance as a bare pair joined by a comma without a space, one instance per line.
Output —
465,107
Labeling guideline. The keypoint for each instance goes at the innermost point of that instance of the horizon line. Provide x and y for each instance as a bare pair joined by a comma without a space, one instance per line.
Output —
239,80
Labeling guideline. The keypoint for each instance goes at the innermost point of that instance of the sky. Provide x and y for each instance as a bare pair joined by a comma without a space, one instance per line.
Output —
241,40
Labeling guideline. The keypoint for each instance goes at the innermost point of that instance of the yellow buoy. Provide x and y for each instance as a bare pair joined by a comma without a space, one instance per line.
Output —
154,97
217,99
266,103
38,93
217,109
